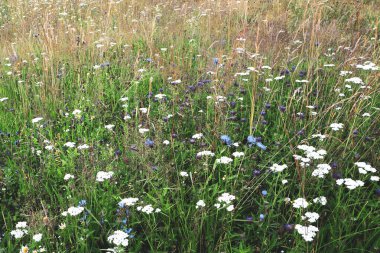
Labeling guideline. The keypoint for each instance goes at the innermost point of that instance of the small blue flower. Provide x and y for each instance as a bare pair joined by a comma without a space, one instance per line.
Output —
149,143
82,202
215,61
255,141
262,217
226,140
264,193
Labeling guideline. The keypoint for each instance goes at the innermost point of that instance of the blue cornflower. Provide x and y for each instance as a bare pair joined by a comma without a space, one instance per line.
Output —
226,140
215,61
149,143
255,141
262,217
82,202
264,193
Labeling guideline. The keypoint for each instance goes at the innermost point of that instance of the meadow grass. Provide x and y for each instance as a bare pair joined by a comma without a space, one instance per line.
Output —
189,126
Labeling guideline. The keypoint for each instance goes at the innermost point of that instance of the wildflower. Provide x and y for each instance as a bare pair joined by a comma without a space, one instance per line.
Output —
184,174
311,217
366,114
127,202
336,126
36,120
278,168
19,233
355,80
149,143
166,142
24,249
102,175
320,136
143,110
375,178
367,66
62,226
148,209
264,193
261,217
344,73
123,99
118,238
3,99
49,147
321,200
73,211
300,203
197,136
350,183
37,237
226,140
284,181
238,154
176,81
307,232
76,112
109,127
224,160
143,130
364,168
255,141
230,208
200,204
83,146
69,144
321,171
205,153
225,201
68,177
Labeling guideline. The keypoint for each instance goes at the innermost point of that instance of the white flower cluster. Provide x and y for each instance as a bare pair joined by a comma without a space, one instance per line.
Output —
69,144
37,237
20,231
321,200
73,211
68,177
307,232
119,238
310,217
350,183
364,168
311,154
300,203
205,153
225,200
128,202
224,160
356,80
109,126
367,66
197,136
184,174
237,154
278,168
336,126
321,171
320,136
148,209
83,146
103,175
201,203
